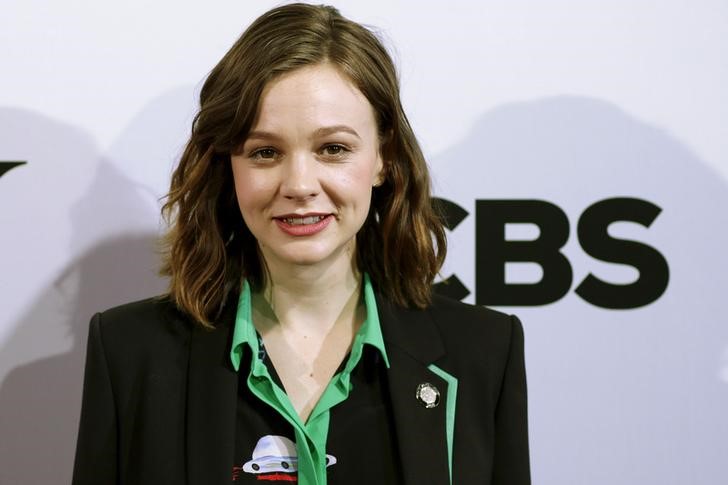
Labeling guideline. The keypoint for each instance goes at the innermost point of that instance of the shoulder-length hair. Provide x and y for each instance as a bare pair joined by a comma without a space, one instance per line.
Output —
208,249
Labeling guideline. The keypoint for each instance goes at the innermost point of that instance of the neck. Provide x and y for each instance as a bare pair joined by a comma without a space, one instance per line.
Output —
310,299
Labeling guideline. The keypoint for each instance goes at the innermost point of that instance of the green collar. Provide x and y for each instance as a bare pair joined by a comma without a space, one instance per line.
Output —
310,436
369,333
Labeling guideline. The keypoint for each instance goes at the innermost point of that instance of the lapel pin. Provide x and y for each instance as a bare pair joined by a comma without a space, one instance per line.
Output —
428,395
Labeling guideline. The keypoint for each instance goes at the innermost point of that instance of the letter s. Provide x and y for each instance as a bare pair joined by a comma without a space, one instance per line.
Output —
594,239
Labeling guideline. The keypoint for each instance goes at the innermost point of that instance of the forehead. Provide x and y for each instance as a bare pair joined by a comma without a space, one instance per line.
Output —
315,95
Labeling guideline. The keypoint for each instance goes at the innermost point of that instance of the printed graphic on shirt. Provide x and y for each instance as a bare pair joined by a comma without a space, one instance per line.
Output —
261,349
275,460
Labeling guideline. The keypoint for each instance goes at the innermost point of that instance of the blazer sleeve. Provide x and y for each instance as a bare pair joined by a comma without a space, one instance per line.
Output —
511,458
96,448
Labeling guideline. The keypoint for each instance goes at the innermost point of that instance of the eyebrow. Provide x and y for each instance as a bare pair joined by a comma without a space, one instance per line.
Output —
323,131
329,130
261,135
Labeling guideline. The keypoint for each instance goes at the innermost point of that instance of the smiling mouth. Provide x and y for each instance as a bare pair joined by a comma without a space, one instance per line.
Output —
300,221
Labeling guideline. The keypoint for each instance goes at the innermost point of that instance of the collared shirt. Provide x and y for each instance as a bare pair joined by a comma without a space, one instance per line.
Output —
276,456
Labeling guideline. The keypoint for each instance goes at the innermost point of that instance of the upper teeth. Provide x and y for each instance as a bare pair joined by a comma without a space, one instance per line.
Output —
303,220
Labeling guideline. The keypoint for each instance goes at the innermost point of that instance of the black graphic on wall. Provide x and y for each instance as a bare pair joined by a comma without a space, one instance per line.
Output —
452,215
493,251
652,266
7,166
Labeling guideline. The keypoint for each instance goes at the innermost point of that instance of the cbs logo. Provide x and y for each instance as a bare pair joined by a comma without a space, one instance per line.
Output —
493,251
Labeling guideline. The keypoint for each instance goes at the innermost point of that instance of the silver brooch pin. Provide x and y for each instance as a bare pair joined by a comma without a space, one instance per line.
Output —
428,395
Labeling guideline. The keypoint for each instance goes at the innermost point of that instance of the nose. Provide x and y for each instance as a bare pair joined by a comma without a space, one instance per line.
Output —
300,178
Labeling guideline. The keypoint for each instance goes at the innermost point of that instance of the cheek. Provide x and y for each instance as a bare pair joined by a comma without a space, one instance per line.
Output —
252,191
352,187
361,175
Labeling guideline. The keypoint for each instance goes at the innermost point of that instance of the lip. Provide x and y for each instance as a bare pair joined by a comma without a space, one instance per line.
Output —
306,214
301,230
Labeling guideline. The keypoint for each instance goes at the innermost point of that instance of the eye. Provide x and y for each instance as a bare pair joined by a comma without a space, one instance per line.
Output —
334,150
264,154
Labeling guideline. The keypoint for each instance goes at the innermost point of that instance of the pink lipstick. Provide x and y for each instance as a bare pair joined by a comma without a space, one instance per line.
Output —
308,225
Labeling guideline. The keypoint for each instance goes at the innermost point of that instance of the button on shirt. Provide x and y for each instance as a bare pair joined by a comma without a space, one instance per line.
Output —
349,435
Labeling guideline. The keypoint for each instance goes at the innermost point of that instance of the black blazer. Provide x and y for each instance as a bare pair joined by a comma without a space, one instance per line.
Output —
159,396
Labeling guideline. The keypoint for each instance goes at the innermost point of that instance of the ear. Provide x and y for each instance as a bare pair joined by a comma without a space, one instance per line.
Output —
380,171
382,163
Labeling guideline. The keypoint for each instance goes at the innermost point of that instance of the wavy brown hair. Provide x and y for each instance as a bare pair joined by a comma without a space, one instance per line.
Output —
209,249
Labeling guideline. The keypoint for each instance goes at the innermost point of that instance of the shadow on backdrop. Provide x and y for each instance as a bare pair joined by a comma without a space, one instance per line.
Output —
615,397
116,262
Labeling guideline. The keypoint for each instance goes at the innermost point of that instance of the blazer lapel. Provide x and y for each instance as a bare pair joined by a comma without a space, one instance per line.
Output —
413,343
211,403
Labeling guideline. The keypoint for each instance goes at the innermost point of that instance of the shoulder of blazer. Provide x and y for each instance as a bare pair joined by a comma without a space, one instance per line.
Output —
461,336
467,341
457,323
150,317
471,327
149,335
156,330
478,340
450,310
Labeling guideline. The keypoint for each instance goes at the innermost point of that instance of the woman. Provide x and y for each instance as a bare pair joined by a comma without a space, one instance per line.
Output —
299,340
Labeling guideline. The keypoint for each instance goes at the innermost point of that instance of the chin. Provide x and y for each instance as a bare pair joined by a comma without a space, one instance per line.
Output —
311,256
306,259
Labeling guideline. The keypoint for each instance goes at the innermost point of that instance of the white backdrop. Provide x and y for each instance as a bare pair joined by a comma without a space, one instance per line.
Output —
567,102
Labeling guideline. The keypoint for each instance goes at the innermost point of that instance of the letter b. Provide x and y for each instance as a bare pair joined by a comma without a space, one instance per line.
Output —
493,251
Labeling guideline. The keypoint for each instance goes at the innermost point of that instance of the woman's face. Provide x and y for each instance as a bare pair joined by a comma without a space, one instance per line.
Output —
304,175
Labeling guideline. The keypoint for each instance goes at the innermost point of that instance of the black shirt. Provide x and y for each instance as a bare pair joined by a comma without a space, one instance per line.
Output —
360,444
